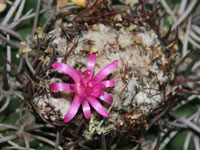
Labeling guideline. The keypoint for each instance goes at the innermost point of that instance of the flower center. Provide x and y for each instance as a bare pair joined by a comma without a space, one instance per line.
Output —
89,87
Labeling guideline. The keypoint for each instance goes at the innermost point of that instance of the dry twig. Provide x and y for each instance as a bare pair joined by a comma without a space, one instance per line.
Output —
36,17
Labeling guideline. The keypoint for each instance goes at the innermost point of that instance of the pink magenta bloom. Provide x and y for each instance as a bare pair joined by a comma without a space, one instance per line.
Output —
87,88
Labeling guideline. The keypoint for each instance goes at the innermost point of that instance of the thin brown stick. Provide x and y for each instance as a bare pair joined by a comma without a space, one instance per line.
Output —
8,126
6,85
189,68
182,6
194,43
194,36
196,28
11,32
43,139
57,139
12,66
20,65
42,133
190,92
167,8
168,139
186,36
26,141
25,17
10,13
158,141
190,124
36,17
38,126
8,51
159,116
52,15
73,144
18,148
5,105
85,147
14,145
29,64
103,142
182,103
182,60
185,14
187,122
196,142
178,82
19,10
187,140
81,14
9,42
7,138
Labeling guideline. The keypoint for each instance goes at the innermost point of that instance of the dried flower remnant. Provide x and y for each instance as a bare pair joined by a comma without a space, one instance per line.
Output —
24,49
86,88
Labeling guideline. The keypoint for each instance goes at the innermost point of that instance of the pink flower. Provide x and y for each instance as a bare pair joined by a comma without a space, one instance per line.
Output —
87,88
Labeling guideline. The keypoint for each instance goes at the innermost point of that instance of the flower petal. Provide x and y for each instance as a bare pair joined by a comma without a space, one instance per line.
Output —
68,70
106,97
73,109
90,66
105,71
80,73
108,83
97,106
61,87
86,109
